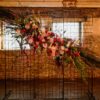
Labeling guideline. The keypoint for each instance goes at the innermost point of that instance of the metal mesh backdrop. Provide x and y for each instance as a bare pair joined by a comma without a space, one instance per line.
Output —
28,76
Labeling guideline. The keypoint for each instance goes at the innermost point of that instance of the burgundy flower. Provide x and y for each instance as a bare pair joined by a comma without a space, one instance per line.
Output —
52,34
55,39
68,52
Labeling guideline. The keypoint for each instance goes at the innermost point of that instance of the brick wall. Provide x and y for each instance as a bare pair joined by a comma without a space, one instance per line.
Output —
15,65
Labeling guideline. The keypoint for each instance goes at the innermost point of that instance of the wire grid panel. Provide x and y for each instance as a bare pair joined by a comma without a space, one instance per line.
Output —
35,76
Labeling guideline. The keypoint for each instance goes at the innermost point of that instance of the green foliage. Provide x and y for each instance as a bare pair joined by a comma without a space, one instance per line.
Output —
81,67
68,60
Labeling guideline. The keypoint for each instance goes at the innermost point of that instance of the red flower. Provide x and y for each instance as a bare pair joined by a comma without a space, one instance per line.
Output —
76,54
40,38
68,52
36,46
23,30
59,39
50,34
55,39
62,41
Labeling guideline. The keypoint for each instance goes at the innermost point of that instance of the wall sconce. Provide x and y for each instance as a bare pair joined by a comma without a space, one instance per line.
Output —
69,3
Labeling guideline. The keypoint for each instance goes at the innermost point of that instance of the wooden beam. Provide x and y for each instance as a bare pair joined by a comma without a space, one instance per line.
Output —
26,3
89,4
30,4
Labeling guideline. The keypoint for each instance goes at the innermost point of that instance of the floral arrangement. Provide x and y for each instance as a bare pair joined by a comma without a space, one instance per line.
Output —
62,50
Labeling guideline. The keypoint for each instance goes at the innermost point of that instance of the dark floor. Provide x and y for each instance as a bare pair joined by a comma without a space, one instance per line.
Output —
48,90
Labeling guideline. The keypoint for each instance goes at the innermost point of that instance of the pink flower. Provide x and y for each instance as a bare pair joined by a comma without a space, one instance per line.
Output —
30,40
57,36
40,38
51,40
62,41
18,31
43,40
61,52
53,49
31,22
62,48
48,33
37,43
59,39
45,45
27,26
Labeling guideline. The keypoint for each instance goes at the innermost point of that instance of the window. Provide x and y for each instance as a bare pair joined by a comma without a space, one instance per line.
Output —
71,30
9,42
68,29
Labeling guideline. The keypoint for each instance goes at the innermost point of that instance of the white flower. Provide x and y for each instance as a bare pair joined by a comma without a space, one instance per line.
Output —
43,30
68,44
62,48
76,43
